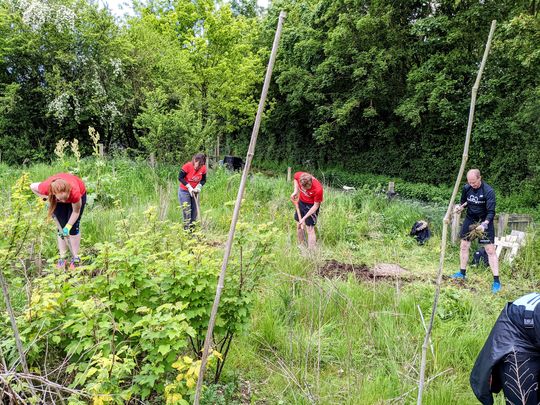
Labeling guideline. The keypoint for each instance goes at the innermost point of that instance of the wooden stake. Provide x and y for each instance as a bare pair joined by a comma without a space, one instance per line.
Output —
503,223
454,235
13,321
16,334
391,193
198,207
289,170
228,246
446,220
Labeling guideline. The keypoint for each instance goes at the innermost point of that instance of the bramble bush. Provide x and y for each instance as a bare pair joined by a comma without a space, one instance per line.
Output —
118,327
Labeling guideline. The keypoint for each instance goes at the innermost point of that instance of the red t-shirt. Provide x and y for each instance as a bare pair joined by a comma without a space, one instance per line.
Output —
193,176
77,186
312,195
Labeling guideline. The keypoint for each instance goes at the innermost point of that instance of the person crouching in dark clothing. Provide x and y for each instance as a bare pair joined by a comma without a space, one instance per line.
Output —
510,358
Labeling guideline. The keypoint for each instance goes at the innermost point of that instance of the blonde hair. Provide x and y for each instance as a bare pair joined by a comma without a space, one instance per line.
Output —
306,180
57,186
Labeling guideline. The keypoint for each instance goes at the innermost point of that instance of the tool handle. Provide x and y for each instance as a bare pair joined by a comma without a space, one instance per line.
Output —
298,213
198,206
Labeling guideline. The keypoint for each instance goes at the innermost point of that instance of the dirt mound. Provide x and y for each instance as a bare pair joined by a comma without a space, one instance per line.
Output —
381,271
390,270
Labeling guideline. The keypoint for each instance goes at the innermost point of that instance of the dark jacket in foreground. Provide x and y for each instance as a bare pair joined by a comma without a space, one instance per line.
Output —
517,328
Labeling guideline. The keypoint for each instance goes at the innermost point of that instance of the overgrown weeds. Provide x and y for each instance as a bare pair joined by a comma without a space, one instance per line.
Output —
142,297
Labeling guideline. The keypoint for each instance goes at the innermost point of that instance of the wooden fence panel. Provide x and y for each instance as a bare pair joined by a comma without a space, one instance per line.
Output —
504,224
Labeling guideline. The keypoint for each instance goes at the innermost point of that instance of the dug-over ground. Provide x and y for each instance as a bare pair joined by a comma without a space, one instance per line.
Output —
380,272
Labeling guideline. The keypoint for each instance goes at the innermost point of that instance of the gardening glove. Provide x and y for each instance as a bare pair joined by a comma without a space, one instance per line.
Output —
198,188
67,228
481,227
190,189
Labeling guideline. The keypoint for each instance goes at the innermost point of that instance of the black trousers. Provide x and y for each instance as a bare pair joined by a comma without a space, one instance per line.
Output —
63,211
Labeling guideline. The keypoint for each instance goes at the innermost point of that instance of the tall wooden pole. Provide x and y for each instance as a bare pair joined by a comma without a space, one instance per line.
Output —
249,158
11,313
446,220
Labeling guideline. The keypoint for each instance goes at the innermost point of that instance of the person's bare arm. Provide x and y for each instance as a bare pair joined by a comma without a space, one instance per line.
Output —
311,211
35,189
459,208
75,213
294,195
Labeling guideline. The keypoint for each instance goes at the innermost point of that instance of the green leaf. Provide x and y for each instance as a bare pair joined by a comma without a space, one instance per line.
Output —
164,349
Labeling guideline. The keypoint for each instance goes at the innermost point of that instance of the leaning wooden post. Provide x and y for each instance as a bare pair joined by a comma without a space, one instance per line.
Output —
11,314
289,170
228,246
501,226
456,218
449,212
16,334
391,193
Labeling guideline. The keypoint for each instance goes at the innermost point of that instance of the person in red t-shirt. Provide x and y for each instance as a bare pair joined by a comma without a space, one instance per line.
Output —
308,194
192,177
66,194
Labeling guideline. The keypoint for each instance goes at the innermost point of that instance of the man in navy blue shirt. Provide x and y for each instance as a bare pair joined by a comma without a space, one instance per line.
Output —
479,198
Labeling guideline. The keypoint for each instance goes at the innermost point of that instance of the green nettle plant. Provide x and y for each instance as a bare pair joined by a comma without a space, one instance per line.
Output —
118,328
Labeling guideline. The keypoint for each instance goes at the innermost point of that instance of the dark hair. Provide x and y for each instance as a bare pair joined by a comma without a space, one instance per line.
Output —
199,157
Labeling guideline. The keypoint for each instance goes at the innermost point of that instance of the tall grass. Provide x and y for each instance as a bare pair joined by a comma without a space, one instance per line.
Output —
314,340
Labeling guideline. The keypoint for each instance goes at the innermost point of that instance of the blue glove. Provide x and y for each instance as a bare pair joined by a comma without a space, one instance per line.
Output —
66,229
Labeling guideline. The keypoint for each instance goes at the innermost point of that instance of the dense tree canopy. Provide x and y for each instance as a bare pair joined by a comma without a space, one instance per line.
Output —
384,87
373,86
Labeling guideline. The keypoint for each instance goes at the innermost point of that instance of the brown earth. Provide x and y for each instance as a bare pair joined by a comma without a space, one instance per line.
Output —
381,271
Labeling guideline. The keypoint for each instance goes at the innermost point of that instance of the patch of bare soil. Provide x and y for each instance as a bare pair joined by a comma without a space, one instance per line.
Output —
460,283
215,243
381,271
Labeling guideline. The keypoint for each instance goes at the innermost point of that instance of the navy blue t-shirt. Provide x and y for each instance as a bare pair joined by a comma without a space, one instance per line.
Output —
480,202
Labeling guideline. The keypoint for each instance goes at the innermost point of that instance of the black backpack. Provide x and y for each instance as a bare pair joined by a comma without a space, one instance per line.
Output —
480,256
420,231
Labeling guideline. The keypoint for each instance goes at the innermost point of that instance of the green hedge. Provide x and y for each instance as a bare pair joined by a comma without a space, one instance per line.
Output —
524,202
378,183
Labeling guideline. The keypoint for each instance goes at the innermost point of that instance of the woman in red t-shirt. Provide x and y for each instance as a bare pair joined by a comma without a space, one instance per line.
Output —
308,194
66,194
192,177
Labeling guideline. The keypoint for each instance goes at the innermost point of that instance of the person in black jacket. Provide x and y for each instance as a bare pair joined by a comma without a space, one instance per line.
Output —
479,198
510,358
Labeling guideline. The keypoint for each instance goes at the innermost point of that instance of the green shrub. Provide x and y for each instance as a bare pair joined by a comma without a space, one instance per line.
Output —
121,322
